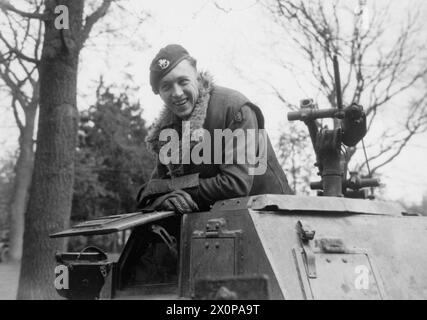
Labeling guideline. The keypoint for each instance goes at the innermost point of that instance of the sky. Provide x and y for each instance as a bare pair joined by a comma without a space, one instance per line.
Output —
234,40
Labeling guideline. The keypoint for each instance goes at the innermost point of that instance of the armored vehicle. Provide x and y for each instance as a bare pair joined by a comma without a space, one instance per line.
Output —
339,245
259,247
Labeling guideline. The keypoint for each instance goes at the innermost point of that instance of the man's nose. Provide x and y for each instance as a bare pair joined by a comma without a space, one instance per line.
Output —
177,91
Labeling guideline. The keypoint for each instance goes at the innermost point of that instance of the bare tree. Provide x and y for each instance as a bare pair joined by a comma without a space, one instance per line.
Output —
49,204
380,66
20,50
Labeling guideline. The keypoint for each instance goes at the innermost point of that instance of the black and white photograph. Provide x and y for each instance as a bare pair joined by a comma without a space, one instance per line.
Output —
202,150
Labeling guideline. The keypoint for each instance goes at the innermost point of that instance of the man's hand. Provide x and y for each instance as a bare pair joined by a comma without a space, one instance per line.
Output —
178,201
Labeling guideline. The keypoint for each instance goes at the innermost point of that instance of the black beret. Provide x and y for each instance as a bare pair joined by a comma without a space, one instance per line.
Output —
167,58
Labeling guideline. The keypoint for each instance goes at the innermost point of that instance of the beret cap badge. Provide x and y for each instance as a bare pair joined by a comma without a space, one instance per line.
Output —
163,63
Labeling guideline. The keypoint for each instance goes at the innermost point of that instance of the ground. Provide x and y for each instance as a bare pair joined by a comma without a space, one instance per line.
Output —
9,276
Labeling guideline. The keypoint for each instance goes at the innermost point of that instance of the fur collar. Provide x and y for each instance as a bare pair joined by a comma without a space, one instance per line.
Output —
168,119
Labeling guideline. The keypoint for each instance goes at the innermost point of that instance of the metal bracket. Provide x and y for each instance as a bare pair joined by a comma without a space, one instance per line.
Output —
332,245
214,227
166,237
306,234
104,269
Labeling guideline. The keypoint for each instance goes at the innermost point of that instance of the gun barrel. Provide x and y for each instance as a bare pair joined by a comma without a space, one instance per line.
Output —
310,114
366,182
361,183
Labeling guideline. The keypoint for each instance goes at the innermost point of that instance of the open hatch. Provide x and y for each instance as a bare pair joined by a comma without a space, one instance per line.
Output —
114,223
147,265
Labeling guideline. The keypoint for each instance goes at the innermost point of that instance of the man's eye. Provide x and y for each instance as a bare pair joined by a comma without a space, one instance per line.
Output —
184,82
165,87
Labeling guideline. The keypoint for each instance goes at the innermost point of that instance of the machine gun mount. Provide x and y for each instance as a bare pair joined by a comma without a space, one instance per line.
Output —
350,128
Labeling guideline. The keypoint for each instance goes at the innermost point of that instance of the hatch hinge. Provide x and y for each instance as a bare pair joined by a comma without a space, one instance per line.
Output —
306,234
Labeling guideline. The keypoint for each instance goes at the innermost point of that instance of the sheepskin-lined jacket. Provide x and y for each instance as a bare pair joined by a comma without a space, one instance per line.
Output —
216,108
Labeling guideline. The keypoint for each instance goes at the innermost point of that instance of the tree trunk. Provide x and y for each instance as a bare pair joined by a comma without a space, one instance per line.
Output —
49,205
24,171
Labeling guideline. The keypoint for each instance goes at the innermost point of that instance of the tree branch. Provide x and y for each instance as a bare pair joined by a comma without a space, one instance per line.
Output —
14,85
92,19
16,115
6,6
18,53
221,8
283,99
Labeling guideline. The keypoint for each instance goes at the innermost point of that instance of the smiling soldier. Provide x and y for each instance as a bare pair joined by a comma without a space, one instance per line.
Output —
193,104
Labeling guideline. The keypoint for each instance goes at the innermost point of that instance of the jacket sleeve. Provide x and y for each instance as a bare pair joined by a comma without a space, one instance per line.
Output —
233,180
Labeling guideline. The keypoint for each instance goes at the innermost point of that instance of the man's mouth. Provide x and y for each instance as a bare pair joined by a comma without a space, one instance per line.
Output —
180,103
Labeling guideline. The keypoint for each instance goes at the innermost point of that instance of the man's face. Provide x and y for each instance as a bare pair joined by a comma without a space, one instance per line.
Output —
179,89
